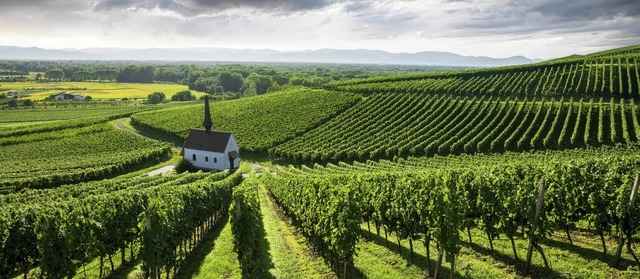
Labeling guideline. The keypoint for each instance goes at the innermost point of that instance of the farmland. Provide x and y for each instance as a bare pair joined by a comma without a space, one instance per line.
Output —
470,173
97,90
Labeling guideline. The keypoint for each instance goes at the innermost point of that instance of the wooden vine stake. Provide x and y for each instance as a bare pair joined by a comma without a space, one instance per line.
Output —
632,201
536,220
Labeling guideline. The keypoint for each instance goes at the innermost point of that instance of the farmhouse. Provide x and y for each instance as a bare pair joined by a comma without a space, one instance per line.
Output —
67,96
211,150
13,94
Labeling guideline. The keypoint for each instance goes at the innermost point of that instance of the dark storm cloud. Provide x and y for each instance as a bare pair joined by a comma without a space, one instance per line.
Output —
556,17
588,9
195,7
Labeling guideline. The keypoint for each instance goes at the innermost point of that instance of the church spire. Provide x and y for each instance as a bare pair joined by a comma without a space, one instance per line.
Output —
207,115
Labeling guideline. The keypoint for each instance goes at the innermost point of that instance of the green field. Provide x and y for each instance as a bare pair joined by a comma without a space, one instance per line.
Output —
260,122
97,90
401,176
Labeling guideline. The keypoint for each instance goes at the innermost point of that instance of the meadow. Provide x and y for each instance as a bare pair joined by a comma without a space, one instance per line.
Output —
97,90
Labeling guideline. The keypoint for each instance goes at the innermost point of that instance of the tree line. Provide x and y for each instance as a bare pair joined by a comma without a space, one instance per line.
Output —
243,79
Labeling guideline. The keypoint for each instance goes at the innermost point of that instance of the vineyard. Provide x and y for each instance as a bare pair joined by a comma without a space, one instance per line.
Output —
419,124
158,218
73,111
608,74
51,155
259,122
512,172
435,202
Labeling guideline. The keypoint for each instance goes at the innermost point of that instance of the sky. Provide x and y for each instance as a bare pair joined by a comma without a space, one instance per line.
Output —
496,28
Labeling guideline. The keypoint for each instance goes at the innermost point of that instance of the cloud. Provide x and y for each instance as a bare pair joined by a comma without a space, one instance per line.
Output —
199,7
536,28
587,9
520,17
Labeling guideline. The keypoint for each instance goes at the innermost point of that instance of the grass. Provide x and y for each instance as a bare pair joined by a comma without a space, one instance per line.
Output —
51,113
172,161
153,133
290,254
284,253
215,258
92,268
97,90
583,260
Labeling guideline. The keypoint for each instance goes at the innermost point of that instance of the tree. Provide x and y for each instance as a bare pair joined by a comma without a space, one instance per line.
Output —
231,81
13,103
81,75
257,83
185,95
106,74
133,73
27,103
155,98
54,74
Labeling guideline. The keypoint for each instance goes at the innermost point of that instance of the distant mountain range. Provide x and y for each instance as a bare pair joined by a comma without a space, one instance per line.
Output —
357,56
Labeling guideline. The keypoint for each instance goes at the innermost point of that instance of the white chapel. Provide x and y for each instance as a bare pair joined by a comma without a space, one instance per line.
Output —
211,150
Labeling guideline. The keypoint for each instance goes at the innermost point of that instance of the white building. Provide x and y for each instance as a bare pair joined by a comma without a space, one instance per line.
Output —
67,96
211,150
13,94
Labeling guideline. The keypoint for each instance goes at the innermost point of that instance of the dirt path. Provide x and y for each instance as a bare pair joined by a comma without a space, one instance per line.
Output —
162,170
119,124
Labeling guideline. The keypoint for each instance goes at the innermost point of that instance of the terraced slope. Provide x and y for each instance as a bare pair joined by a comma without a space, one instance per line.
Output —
419,124
258,122
613,73
53,154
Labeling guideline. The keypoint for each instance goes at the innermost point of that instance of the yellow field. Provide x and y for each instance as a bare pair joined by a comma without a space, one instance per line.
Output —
97,90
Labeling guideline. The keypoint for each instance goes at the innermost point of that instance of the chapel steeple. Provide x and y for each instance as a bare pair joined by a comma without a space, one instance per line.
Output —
207,115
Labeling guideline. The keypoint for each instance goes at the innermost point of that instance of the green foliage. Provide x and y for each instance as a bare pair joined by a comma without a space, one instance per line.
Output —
184,166
63,228
48,156
137,73
436,199
183,96
246,225
256,84
231,81
13,103
54,74
326,211
257,123
594,74
155,98
172,215
389,125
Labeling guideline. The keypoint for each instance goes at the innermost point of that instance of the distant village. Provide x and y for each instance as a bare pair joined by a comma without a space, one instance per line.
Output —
68,96
55,97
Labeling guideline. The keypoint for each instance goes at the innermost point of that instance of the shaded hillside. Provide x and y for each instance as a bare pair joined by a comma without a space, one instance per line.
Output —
257,122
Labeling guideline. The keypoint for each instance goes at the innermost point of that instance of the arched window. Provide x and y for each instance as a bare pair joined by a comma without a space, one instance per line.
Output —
206,158
194,157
